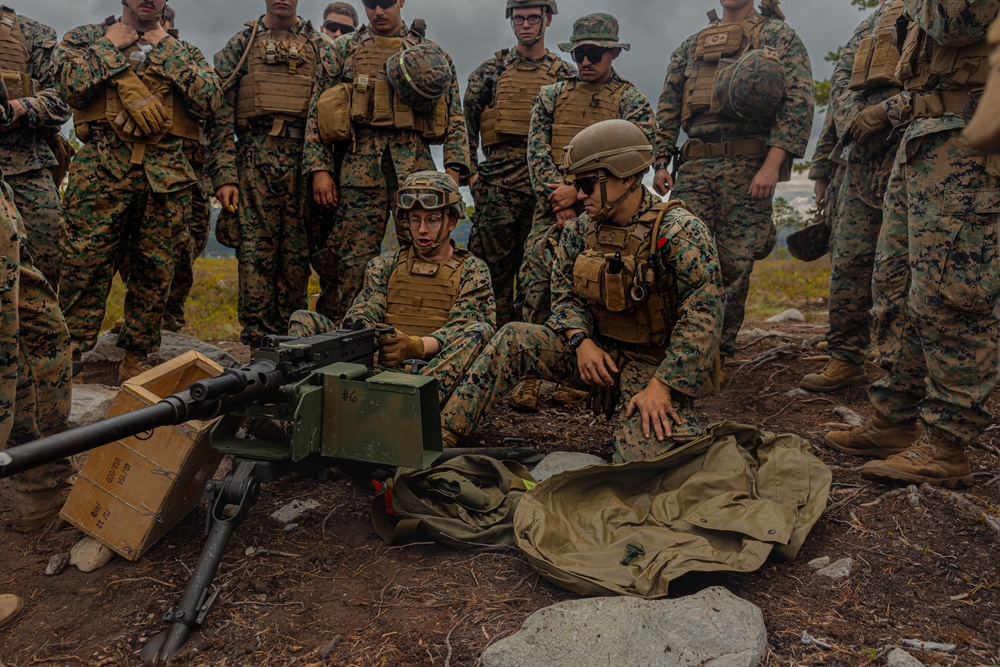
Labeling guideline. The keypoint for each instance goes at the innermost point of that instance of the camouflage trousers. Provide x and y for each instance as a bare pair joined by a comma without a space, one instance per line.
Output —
521,350
35,362
273,252
853,236
322,258
189,247
936,285
37,198
448,366
110,222
717,189
534,278
500,228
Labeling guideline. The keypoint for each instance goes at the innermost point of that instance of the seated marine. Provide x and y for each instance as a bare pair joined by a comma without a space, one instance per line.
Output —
437,297
637,306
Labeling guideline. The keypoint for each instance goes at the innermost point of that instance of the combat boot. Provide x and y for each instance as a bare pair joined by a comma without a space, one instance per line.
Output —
10,609
568,396
525,395
77,367
133,364
449,439
34,510
837,374
878,437
932,459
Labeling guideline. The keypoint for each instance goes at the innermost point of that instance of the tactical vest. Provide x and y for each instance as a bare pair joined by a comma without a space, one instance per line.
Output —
373,101
421,294
878,54
14,56
582,104
715,47
278,83
105,107
925,65
632,300
509,116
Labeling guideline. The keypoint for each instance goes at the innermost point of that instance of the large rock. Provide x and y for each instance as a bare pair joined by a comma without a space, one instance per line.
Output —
91,403
171,345
558,462
713,628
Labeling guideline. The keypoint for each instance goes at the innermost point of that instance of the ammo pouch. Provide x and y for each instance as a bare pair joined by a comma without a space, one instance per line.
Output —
598,279
876,61
333,113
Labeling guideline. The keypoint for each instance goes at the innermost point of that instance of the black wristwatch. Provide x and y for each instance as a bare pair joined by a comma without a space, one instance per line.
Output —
661,165
576,340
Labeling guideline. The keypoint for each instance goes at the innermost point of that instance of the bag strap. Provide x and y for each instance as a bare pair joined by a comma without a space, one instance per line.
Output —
402,532
246,54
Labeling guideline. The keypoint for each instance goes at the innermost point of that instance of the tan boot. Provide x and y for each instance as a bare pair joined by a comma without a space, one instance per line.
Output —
449,439
878,437
36,509
133,364
837,374
525,395
822,346
10,609
932,459
116,328
77,367
568,396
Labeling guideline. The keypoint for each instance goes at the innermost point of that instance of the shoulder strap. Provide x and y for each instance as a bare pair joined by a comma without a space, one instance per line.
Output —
246,53
7,19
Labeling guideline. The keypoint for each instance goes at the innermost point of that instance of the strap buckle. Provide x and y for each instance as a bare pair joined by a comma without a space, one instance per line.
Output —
632,551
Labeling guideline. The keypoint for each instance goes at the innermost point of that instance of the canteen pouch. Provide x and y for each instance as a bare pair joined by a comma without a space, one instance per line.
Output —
333,113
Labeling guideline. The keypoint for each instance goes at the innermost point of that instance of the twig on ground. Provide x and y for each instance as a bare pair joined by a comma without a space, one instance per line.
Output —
447,639
965,504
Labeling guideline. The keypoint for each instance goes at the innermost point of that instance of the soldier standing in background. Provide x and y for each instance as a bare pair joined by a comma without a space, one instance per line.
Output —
369,123
740,145
269,72
497,106
138,94
38,113
935,284
339,18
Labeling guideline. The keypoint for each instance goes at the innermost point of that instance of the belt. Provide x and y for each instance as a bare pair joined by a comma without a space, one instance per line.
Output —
695,149
276,128
937,103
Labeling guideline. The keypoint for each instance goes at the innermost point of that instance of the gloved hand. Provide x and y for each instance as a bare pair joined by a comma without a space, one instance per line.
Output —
396,348
869,125
141,105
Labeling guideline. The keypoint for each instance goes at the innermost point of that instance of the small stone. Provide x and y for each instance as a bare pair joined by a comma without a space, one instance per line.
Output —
848,416
290,527
57,564
899,658
921,645
293,510
795,393
840,569
790,315
88,555
819,563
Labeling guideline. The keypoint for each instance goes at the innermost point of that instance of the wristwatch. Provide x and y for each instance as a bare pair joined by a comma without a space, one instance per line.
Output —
576,340
661,165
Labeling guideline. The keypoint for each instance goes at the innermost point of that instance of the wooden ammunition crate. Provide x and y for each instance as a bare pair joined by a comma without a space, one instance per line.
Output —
132,491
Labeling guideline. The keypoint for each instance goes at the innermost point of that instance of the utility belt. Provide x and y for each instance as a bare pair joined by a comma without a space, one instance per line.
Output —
276,127
937,103
696,149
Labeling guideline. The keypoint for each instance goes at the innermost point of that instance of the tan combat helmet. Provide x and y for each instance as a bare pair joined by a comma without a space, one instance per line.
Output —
615,146
429,190
524,4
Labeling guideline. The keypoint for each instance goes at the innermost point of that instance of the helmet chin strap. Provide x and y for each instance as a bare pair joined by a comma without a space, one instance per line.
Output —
611,207
442,238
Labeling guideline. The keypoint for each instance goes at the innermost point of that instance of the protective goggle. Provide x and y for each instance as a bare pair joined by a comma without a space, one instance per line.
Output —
591,53
335,26
384,4
428,199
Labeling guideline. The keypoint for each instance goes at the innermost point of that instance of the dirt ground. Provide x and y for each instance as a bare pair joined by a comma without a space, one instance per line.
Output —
331,593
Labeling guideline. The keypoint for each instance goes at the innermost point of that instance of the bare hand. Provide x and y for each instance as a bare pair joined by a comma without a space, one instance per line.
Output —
454,175
820,190
325,190
229,197
473,179
562,197
763,184
663,182
153,37
596,366
654,406
564,216
121,35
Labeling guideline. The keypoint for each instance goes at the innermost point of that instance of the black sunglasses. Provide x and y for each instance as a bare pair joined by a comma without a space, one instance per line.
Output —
593,54
586,185
334,26
384,4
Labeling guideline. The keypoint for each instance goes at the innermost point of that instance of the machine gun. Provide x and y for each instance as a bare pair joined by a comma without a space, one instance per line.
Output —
334,406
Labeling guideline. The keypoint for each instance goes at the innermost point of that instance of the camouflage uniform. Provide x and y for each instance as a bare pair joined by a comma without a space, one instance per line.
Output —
471,322
190,245
716,188
936,283
117,210
369,168
26,156
824,167
505,200
273,251
534,277
521,349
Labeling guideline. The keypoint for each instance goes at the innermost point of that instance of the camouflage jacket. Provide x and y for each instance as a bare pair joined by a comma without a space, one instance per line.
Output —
793,120
506,163
24,148
475,301
222,128
823,165
361,157
87,62
634,107
688,250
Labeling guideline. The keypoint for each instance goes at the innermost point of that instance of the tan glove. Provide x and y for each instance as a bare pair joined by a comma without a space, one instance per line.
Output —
143,108
396,348
868,128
